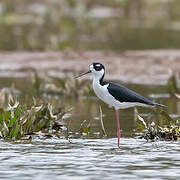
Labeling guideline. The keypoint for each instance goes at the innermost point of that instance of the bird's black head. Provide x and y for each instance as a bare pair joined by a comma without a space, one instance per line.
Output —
97,69
97,66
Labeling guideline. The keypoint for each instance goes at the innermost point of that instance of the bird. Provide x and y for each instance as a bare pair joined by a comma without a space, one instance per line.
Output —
115,95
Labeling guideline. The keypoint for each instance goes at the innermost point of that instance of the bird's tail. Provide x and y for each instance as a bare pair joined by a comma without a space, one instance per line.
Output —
160,105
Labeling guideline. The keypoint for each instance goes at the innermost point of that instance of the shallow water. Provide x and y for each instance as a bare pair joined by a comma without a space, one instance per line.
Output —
93,156
90,159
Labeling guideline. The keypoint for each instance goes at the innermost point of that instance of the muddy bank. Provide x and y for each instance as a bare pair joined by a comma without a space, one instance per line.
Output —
145,67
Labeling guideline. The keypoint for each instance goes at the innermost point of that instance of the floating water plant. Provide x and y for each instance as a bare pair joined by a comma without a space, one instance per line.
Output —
151,131
18,120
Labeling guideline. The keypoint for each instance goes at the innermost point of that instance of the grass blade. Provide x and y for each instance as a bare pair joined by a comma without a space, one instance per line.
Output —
102,123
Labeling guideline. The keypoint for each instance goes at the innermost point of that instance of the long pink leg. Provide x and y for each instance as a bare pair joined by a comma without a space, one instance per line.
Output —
118,127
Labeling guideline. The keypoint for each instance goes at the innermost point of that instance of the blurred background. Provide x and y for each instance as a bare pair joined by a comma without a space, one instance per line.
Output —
89,24
52,126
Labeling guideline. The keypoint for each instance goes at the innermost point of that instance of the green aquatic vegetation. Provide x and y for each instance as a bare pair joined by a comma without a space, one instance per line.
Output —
174,85
84,127
62,87
33,115
18,120
37,84
69,86
88,91
35,88
151,131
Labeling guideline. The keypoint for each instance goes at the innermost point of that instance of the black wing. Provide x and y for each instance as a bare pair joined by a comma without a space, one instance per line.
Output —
124,94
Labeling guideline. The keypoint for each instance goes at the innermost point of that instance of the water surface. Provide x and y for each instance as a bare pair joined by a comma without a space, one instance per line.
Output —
92,156
89,159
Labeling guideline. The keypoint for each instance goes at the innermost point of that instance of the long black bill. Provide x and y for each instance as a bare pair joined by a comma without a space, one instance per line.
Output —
83,74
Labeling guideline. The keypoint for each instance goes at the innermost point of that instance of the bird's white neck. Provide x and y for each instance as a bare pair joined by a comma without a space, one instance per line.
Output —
98,77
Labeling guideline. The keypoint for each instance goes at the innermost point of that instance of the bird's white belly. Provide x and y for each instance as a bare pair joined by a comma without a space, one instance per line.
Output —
102,93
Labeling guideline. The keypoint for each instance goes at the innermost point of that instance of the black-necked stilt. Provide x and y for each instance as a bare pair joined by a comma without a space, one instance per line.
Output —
115,95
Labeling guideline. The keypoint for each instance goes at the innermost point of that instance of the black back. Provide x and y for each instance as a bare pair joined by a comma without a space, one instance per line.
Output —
124,94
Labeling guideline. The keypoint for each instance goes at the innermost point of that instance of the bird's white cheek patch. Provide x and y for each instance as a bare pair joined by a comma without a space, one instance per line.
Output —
91,67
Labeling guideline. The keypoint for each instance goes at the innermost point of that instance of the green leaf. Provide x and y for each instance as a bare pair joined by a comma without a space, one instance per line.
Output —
1,118
141,127
165,117
61,82
172,84
6,115
17,112
178,121
177,130
37,82
86,130
24,108
40,126
15,132
12,121
171,87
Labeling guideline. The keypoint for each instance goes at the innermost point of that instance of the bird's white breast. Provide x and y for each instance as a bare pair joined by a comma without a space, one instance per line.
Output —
103,93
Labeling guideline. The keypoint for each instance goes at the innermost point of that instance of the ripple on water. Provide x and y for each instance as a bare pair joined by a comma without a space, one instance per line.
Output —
90,159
